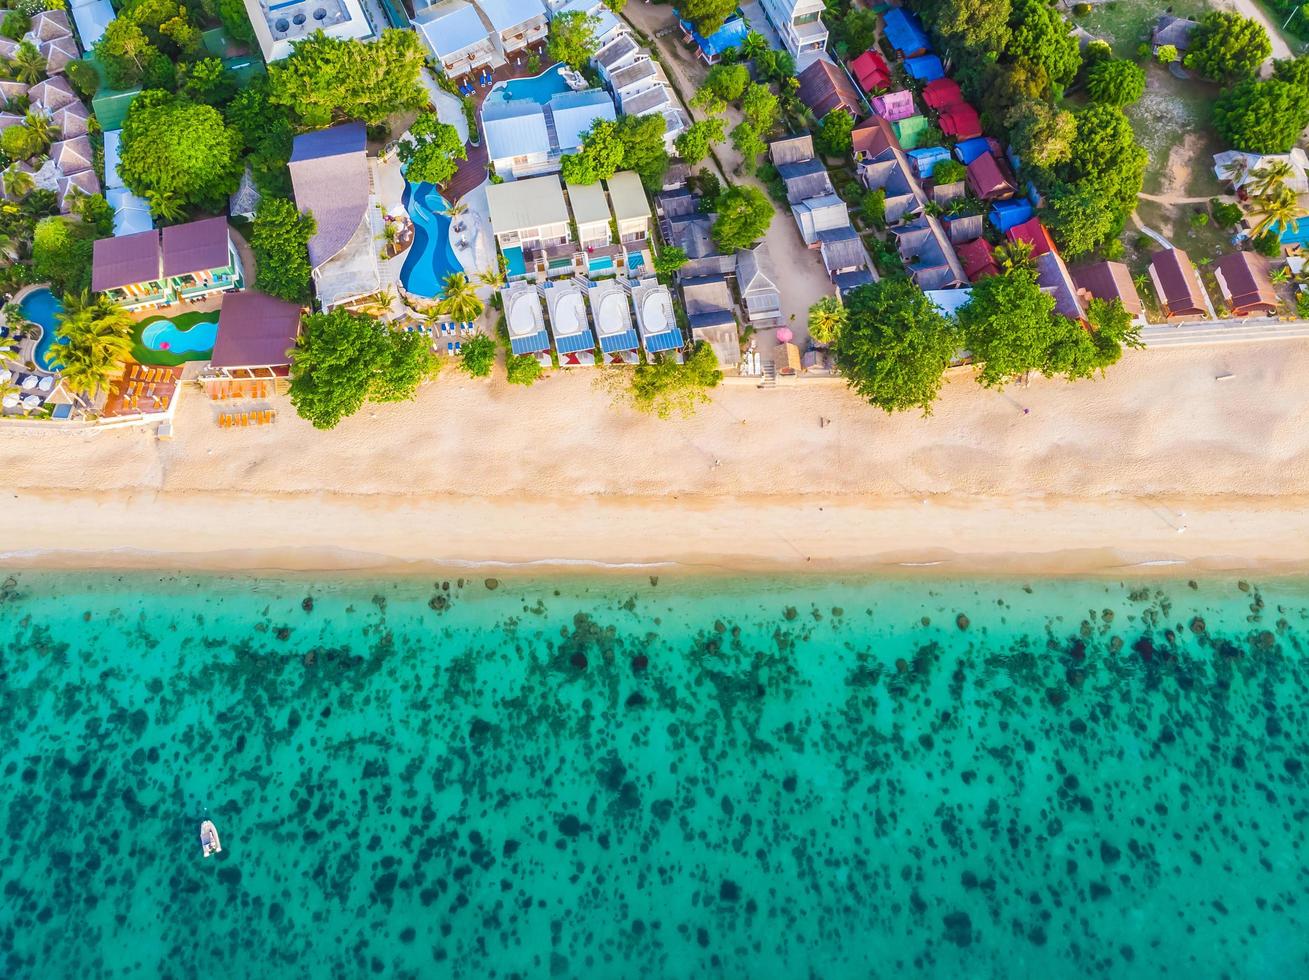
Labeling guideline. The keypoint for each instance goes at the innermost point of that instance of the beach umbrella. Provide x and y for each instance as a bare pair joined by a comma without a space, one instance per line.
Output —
29,382
31,402
6,374
784,335
10,401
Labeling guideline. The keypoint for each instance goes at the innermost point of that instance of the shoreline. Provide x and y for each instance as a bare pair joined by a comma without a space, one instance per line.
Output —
395,535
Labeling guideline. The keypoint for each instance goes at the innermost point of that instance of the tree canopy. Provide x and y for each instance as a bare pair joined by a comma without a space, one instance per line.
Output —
643,147
693,143
572,38
478,356
95,337
744,214
61,254
1227,45
707,15
280,241
665,388
598,158
432,152
1105,165
266,134
760,107
1262,116
1293,71
1040,37
175,149
1115,81
1042,135
977,25
1079,218
326,79
895,345
834,133
345,359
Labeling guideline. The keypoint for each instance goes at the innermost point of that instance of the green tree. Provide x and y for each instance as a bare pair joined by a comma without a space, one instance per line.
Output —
949,172
1261,116
856,31
28,64
573,38
748,143
15,24
1042,135
1105,159
973,25
174,146
643,148
326,79
1116,81
16,143
727,82
1079,218
432,151
827,318
478,356
668,260
1112,329
345,359
1011,328
280,241
895,345
834,133
95,212
707,15
599,157
234,17
94,339
1293,71
18,183
61,254
124,51
1040,38
459,299
694,142
208,81
523,369
665,388
1276,211
616,5
872,208
266,134
760,108
744,214
1227,45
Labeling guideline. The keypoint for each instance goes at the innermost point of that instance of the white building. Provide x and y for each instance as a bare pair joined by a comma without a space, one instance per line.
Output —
619,342
799,24
590,215
654,315
574,341
515,23
458,37
525,138
279,25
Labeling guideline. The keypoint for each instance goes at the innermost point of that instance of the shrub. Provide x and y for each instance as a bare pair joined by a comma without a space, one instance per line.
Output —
1226,215
1199,219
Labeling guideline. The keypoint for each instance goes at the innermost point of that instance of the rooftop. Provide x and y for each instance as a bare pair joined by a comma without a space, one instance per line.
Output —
507,14
576,112
329,174
588,203
451,27
628,196
255,330
522,204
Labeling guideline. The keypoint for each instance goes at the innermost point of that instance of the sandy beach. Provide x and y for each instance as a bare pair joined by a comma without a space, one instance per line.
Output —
1158,463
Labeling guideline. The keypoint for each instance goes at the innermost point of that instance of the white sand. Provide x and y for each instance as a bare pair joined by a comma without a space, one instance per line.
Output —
1096,476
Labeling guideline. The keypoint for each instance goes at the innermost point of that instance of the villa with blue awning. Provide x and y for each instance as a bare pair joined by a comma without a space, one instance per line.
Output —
730,35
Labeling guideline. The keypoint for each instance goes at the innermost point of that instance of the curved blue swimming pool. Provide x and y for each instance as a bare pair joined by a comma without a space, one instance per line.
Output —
43,307
165,335
538,88
431,257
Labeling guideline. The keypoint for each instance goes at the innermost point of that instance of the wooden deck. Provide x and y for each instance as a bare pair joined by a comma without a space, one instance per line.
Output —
142,390
472,171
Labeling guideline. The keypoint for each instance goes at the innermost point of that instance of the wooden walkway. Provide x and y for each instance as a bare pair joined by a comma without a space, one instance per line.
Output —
472,171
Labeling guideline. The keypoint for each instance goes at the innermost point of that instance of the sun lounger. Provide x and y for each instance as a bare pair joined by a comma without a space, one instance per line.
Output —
459,348
450,348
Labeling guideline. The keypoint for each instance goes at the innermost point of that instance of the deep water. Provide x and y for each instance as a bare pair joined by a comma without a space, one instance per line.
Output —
642,777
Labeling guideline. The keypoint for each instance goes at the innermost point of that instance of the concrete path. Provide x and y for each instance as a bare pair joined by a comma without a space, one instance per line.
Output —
1224,332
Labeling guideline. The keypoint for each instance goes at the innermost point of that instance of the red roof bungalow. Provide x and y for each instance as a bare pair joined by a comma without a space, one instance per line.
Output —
1243,279
1034,233
960,121
1177,283
870,71
987,181
978,259
942,93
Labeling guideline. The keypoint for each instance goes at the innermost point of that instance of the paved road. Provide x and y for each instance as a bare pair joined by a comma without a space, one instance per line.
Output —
1224,332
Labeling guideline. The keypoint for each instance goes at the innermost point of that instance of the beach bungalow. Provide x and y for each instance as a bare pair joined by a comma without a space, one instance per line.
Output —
693,234
925,158
654,315
966,151
1238,168
1243,279
620,52
1109,281
803,177
871,138
525,321
820,214
531,224
870,71
255,335
942,93
153,268
1034,234
635,78
905,32
756,281
631,210
1177,284
516,24
1055,280
825,87
517,138
460,41
799,24
928,256
924,68
711,49
1173,31
574,113
331,179
960,121
1005,214
278,26
619,342
978,259
987,180
574,342
844,254
894,106
882,165
912,133
712,319
590,215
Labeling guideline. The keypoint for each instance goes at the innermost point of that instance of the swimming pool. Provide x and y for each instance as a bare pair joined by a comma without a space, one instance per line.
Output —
165,335
43,307
602,266
538,89
431,257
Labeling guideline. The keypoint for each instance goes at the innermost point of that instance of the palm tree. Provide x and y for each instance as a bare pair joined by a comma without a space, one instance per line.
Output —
18,183
1014,255
165,205
40,128
1268,176
495,278
1279,210
10,246
753,45
379,304
1234,170
28,64
1280,275
458,300
95,340
827,318
454,209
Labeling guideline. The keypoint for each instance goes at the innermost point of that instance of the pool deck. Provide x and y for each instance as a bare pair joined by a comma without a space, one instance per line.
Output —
472,172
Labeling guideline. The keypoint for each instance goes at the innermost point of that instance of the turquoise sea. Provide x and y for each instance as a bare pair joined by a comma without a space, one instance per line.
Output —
653,777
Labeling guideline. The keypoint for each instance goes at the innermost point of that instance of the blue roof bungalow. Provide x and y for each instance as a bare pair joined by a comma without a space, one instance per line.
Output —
1008,214
711,48
905,32
966,151
925,68
925,159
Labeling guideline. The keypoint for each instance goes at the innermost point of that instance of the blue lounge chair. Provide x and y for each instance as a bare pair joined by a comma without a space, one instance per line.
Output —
450,348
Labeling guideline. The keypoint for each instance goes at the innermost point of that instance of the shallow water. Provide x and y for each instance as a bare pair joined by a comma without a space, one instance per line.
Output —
655,778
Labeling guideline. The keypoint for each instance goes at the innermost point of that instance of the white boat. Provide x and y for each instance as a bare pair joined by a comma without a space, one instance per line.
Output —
209,842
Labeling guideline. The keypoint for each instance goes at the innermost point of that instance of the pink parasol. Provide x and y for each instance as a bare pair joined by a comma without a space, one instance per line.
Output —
784,335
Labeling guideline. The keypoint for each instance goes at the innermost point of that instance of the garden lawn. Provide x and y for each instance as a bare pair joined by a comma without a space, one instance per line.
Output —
1126,24
162,358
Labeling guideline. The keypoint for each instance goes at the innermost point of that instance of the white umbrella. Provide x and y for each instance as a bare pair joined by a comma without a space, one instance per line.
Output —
10,401
29,382
31,402
46,383
6,374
